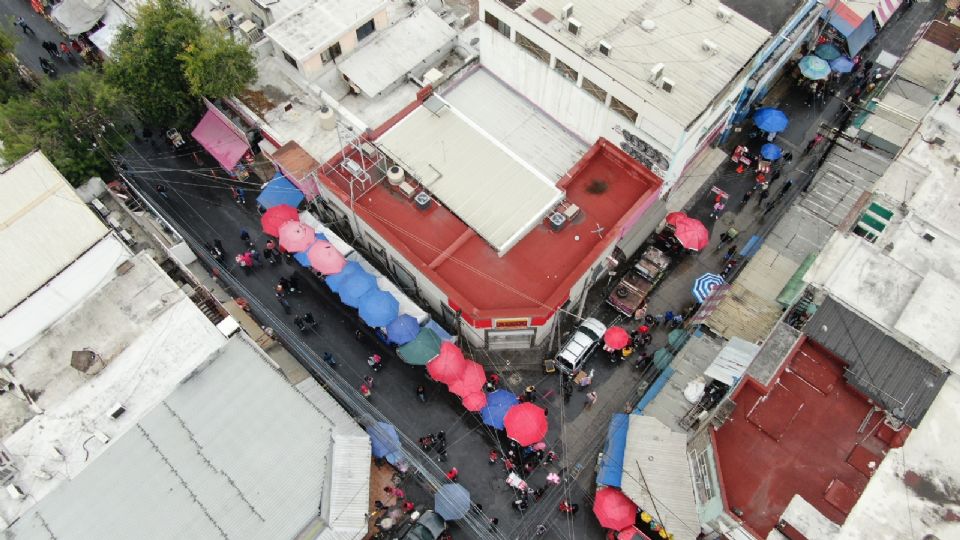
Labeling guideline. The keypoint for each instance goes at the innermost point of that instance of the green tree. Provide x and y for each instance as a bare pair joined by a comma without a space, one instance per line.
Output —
77,121
217,66
9,74
168,59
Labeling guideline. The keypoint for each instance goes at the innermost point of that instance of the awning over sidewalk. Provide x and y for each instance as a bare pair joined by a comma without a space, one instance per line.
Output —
279,190
75,17
732,362
113,21
885,9
611,463
856,24
220,140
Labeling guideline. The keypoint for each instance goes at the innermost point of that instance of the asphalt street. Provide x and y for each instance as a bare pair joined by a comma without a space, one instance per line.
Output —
29,50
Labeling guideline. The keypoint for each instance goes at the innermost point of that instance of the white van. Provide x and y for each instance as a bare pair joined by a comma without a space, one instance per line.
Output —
578,348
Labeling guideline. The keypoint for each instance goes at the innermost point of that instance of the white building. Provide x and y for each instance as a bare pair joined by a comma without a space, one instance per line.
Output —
660,77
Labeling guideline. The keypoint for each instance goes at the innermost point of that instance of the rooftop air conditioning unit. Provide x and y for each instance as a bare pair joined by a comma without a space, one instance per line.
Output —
605,48
557,221
15,492
566,11
656,73
710,47
574,26
667,85
422,200
724,13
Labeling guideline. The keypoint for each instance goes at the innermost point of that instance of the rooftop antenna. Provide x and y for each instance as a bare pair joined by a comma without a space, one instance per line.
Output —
599,231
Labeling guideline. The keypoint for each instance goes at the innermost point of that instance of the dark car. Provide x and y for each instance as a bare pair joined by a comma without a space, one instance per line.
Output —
429,527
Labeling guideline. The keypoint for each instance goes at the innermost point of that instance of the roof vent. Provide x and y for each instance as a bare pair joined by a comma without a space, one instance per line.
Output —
86,361
422,200
574,26
15,492
395,175
116,411
605,49
656,72
566,11
724,13
710,47
928,236
648,25
667,85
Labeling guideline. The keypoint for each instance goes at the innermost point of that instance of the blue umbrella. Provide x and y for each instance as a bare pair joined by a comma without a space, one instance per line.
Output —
814,67
827,51
384,441
771,151
452,501
356,285
498,403
705,284
403,330
378,308
842,64
280,191
770,119
336,281
301,256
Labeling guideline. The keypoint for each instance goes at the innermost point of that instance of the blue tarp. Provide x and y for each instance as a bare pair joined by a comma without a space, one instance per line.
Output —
862,35
279,190
654,389
611,464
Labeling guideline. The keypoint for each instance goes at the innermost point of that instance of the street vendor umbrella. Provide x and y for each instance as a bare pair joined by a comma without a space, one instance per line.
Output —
378,308
814,67
355,286
471,379
272,219
384,441
629,533
692,234
770,119
705,284
662,358
616,337
403,329
336,281
301,256
771,151
295,236
452,502
423,348
827,51
449,364
475,402
280,191
325,258
613,509
526,423
674,218
842,64
498,403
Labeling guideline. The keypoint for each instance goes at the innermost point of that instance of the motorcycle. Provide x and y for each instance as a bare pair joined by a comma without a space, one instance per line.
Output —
47,67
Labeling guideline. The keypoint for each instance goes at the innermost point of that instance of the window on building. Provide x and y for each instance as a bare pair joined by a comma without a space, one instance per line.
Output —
406,281
621,108
566,71
703,484
498,340
594,90
537,51
376,249
496,24
290,60
332,53
365,30
872,222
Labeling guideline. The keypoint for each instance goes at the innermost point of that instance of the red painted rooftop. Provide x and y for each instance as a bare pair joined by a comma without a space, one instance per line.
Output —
534,277
799,436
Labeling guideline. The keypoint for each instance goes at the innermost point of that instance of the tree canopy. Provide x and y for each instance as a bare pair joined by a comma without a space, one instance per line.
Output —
77,121
169,58
9,74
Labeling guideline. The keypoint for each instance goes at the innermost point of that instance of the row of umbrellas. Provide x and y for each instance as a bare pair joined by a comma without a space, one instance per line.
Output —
825,59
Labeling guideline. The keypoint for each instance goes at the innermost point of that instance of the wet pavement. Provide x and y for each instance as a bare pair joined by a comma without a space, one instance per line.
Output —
28,47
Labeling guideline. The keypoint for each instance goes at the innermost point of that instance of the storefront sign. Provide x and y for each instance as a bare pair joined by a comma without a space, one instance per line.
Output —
511,323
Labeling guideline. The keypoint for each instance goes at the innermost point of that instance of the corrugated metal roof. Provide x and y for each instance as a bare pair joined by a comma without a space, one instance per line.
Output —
743,314
767,272
656,476
732,362
396,51
235,451
929,65
847,172
44,227
320,23
879,366
676,42
485,184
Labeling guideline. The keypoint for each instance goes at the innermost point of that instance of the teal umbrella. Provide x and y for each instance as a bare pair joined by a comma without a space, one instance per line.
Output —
423,348
827,51
814,67
662,359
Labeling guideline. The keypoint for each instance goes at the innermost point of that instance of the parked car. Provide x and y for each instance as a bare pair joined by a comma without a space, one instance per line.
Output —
429,527
578,348
633,288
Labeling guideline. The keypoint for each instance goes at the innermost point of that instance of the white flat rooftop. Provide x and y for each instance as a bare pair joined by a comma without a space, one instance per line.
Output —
320,23
396,51
479,179
676,42
45,227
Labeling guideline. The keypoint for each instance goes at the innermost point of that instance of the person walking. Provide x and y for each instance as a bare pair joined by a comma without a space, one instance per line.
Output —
286,305
717,209
746,198
245,237
569,508
453,474
375,362
328,358
368,380
493,456
730,252
590,399
786,187
529,393
162,190
365,391
24,26
421,393
764,193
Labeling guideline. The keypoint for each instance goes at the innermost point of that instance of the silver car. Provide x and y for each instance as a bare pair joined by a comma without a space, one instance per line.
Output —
578,348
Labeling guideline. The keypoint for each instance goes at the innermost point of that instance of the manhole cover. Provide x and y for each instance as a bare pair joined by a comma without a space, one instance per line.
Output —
515,379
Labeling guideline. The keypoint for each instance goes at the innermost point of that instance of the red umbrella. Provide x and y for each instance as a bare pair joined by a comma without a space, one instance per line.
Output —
616,337
471,380
692,234
629,533
448,365
475,401
295,236
613,509
526,423
325,258
676,217
272,219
